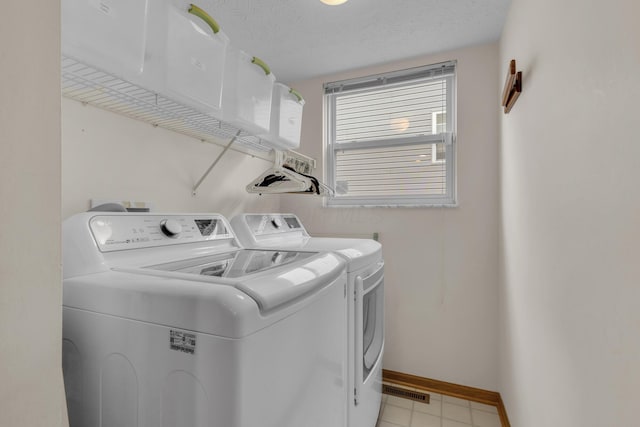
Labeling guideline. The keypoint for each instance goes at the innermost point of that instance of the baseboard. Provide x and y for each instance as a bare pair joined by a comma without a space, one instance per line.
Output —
502,411
464,392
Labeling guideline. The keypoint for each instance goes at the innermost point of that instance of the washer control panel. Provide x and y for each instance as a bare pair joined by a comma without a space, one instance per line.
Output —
119,232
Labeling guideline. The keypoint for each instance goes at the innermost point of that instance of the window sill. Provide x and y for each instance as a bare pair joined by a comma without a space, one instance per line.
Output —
327,204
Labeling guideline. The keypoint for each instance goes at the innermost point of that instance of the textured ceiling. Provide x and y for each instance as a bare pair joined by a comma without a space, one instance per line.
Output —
300,39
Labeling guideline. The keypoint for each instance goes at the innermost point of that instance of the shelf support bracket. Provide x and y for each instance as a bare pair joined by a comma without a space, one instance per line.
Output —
215,162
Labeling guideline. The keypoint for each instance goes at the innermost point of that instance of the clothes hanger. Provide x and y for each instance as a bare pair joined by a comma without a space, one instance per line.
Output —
284,178
279,180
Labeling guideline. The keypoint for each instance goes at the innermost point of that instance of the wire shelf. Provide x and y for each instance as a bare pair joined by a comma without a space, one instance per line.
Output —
95,87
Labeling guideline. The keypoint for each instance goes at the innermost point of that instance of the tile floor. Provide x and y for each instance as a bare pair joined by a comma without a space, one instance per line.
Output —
442,411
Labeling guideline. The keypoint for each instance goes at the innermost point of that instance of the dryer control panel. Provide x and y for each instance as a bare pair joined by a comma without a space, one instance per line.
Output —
119,232
269,229
263,224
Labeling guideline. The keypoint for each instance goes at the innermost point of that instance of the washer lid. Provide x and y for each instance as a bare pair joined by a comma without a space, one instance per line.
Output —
294,283
270,277
233,265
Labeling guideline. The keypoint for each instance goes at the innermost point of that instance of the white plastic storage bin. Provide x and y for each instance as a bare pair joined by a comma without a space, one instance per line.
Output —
248,87
286,117
188,54
107,34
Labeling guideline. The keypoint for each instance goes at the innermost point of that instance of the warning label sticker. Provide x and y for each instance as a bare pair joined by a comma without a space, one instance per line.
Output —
182,341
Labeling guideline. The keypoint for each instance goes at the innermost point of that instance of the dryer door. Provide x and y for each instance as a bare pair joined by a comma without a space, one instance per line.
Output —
369,324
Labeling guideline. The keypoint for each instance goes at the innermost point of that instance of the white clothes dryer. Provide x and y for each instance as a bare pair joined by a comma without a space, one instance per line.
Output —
365,308
168,322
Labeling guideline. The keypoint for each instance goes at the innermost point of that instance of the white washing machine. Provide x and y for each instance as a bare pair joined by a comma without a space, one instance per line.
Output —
365,308
168,322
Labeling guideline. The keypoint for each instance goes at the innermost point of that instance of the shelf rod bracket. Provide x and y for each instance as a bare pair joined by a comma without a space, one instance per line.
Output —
215,162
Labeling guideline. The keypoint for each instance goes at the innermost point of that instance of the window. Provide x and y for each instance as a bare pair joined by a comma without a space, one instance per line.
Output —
390,138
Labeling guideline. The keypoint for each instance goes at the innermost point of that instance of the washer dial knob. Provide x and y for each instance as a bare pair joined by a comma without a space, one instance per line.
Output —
170,227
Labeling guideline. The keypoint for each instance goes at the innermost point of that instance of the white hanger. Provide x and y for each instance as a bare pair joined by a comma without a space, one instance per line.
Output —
279,180
284,178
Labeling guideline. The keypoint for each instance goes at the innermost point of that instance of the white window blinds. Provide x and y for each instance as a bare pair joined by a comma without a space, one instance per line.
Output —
390,138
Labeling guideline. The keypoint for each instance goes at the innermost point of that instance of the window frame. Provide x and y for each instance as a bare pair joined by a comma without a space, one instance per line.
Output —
330,146
434,128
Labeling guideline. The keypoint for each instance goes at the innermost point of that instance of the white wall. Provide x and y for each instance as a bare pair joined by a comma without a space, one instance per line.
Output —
570,293
441,264
108,156
31,390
